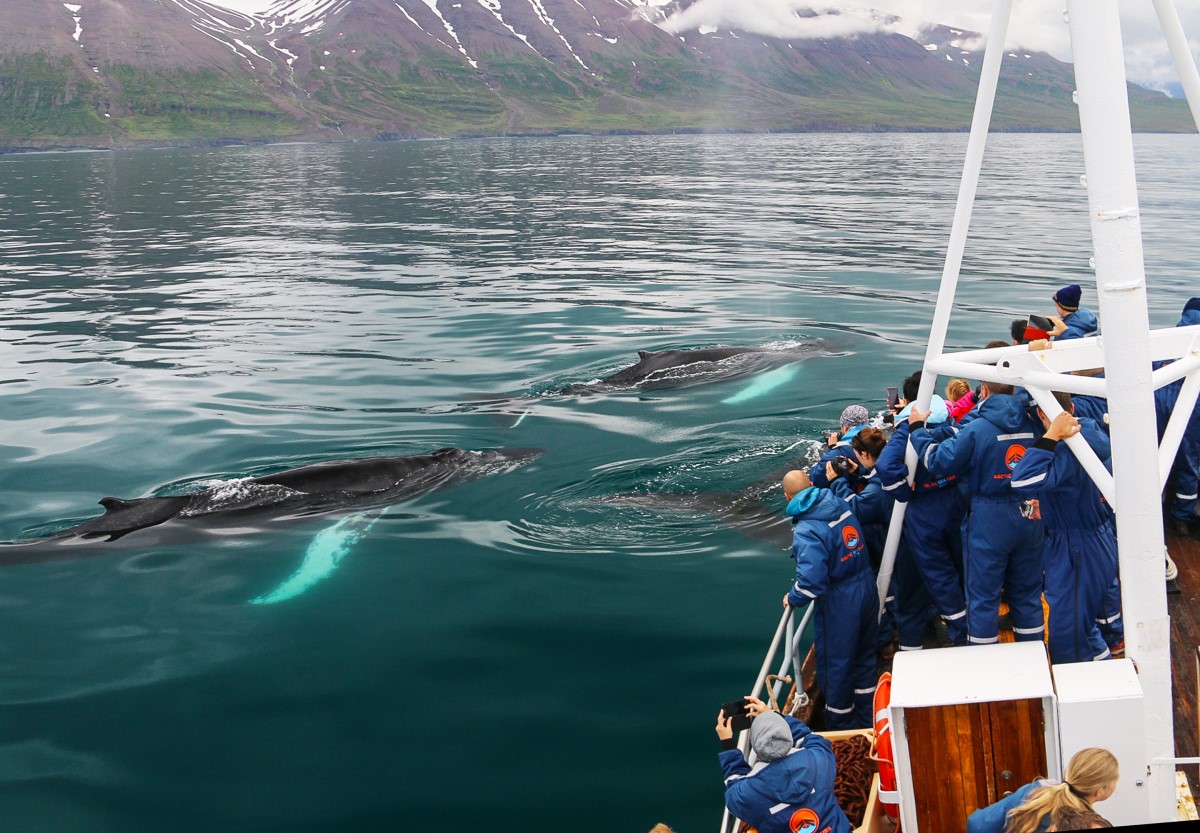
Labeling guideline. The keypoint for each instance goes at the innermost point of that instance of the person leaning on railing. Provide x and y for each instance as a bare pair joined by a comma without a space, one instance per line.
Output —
793,793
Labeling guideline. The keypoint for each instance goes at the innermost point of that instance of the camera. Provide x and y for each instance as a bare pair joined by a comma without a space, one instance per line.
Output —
843,465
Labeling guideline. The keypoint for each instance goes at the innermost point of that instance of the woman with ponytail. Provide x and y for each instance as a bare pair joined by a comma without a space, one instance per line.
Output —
1091,777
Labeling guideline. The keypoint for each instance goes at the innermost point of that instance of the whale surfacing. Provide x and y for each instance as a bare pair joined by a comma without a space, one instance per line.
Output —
683,368
321,487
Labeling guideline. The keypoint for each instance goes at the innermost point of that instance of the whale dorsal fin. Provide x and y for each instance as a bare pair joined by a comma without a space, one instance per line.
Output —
116,504
643,354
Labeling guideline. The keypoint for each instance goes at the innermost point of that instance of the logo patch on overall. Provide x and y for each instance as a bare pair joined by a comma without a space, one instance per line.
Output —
1014,455
851,537
804,820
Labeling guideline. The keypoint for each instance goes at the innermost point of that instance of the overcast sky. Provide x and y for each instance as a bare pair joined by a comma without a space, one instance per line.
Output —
1036,24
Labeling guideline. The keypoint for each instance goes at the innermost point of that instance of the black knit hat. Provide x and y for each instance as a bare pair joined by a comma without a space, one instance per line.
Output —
1068,297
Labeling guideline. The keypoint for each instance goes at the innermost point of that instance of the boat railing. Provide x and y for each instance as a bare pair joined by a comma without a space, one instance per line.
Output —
787,639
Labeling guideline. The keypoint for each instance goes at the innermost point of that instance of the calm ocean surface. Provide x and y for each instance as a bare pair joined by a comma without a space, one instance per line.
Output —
525,652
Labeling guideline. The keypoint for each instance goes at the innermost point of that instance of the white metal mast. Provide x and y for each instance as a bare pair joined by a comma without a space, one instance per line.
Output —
1125,351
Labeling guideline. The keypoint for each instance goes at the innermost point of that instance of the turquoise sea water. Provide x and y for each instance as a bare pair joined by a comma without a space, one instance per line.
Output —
526,652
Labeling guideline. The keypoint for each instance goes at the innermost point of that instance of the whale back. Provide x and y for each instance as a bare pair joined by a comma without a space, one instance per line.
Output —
650,363
361,476
123,516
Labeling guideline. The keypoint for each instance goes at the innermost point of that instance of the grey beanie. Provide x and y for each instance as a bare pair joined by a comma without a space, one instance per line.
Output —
855,415
770,736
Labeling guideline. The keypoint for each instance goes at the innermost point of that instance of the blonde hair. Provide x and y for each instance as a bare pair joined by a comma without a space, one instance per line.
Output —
956,389
1090,771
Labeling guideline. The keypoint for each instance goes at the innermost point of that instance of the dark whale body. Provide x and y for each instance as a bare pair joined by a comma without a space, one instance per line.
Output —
322,487
681,368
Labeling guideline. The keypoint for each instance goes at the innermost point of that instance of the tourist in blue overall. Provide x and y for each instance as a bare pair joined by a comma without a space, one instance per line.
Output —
793,792
1072,320
1185,473
1002,544
854,419
1080,555
872,506
832,565
932,537
1108,619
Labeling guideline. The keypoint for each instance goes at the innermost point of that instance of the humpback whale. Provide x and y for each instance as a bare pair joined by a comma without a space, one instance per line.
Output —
680,368
322,487
674,369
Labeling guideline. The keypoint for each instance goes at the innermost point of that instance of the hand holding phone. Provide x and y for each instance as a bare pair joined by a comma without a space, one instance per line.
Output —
893,397
739,711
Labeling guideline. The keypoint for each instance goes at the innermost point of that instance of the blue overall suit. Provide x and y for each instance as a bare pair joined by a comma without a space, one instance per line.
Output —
1080,554
1002,550
1109,619
1186,471
843,449
873,508
933,538
794,793
1080,324
832,565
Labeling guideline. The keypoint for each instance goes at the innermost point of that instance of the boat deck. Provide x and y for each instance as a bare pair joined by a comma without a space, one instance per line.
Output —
1184,610
1183,606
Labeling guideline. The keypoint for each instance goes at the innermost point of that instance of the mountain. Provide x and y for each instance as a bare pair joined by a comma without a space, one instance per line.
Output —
129,73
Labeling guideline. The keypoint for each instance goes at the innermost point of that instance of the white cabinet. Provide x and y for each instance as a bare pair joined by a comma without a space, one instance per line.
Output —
970,725
1101,704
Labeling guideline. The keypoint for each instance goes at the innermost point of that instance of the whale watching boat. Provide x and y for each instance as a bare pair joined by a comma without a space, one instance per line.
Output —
969,725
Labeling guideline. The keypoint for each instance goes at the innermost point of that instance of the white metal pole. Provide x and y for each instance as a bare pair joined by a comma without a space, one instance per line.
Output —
981,119
1181,54
1083,452
1168,446
1121,283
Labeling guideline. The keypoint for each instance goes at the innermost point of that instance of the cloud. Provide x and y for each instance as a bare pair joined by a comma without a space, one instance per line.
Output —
781,19
1036,24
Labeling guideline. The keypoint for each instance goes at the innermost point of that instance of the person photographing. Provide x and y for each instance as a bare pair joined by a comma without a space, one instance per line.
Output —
790,788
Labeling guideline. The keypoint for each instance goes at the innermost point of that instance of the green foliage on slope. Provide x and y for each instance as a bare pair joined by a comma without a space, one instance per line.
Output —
375,90
43,99
197,105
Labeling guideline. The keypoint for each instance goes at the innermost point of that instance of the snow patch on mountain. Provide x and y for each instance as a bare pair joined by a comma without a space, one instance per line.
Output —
432,4
545,17
493,6
310,15
74,10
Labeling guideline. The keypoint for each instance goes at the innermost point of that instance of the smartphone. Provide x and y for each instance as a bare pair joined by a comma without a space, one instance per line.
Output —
893,397
737,709
1041,323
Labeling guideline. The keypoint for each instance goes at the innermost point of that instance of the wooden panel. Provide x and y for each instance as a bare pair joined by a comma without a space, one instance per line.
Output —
975,739
985,791
924,744
940,742
1018,744
979,742
1184,610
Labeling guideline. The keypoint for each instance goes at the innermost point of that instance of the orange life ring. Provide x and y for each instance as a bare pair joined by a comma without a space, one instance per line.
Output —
883,742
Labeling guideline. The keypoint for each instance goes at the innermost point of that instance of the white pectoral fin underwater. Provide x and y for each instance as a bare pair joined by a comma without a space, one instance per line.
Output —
322,557
764,383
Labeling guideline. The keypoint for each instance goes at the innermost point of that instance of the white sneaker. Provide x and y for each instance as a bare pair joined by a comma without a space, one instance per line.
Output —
1172,570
